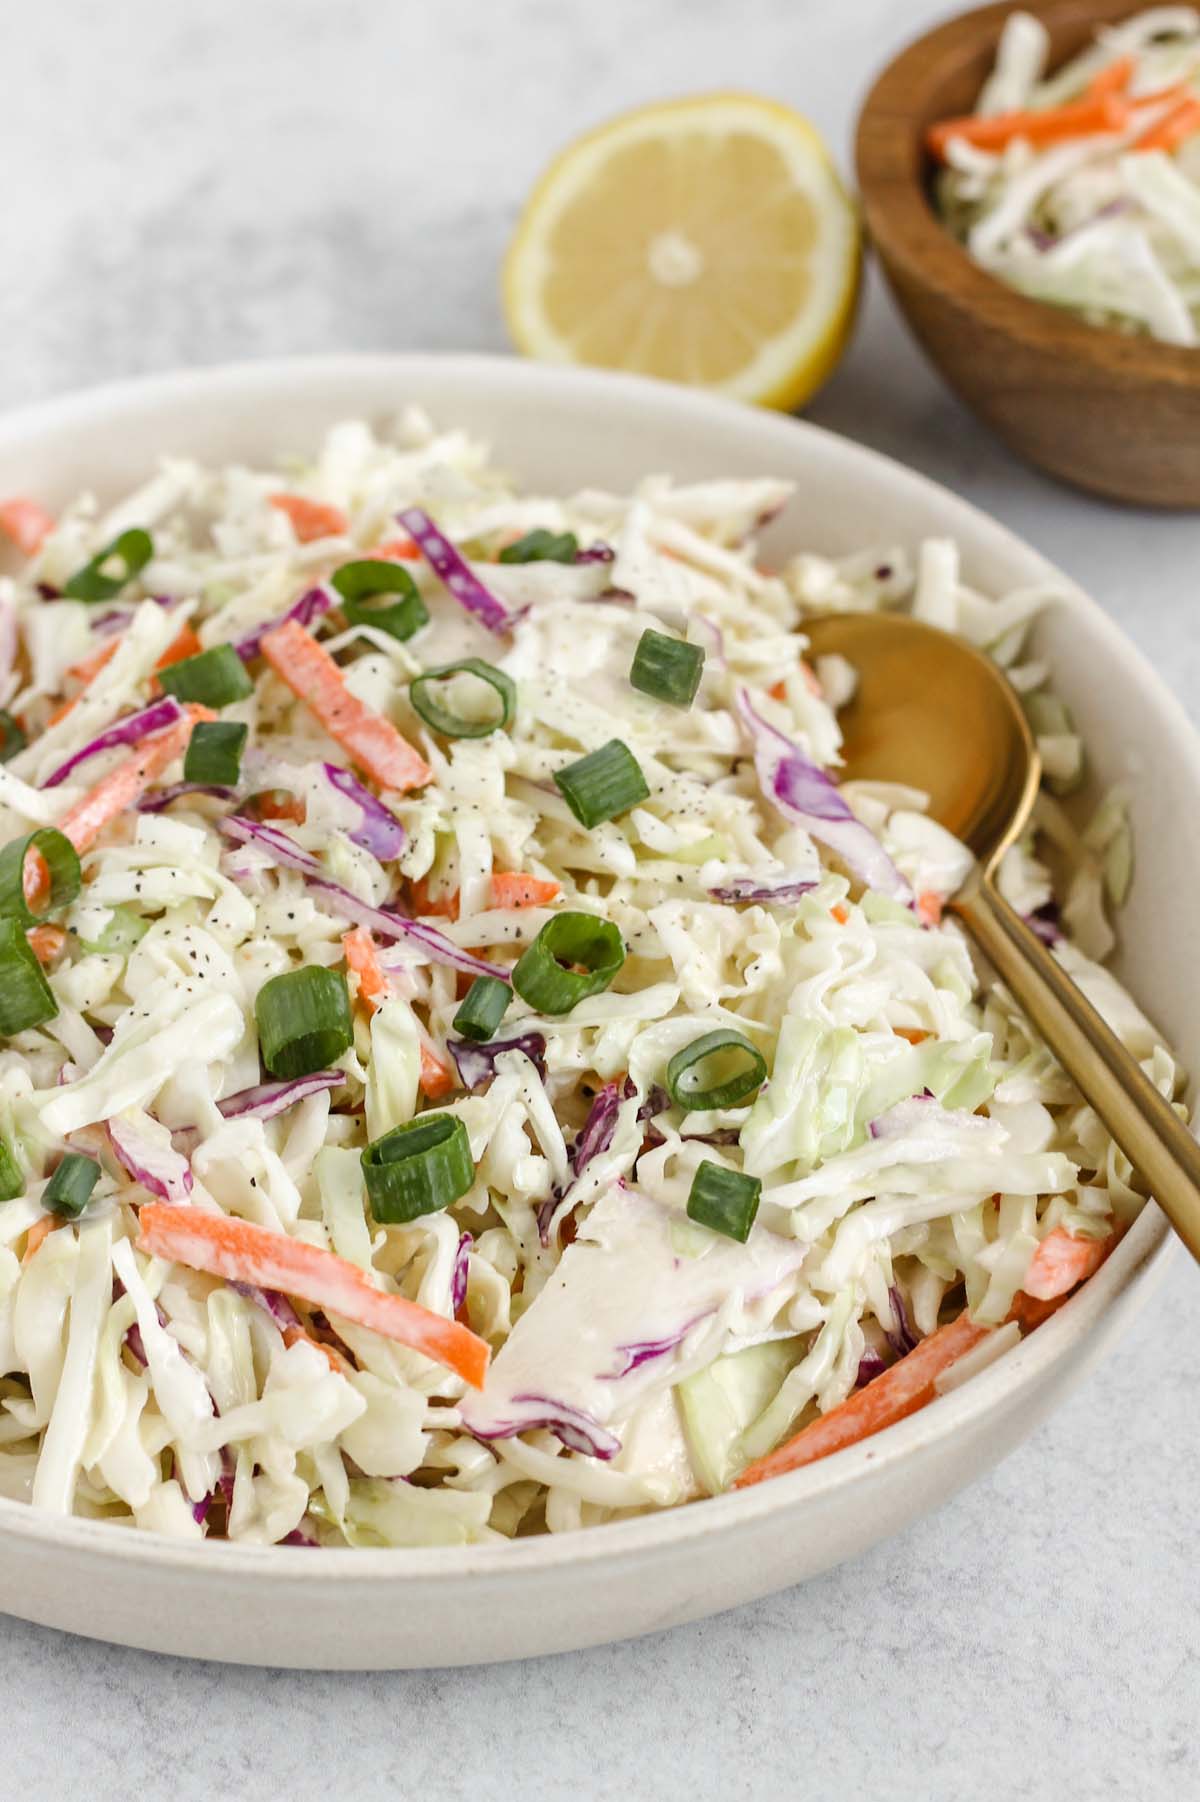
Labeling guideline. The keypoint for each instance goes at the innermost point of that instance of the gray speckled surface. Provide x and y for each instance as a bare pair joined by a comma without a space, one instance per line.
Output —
205,182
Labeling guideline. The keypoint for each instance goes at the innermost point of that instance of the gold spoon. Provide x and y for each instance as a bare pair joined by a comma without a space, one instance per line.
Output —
933,712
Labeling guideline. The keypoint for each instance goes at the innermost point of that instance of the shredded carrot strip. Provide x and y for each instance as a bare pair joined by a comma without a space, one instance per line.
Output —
26,523
363,959
38,1233
436,1078
88,667
899,1391
241,1252
1114,79
1061,1262
372,741
277,804
296,1335
1180,122
310,519
778,690
46,941
444,905
841,914
929,907
113,794
914,1034
512,889
398,550
84,822
1175,90
1103,112
184,644
84,672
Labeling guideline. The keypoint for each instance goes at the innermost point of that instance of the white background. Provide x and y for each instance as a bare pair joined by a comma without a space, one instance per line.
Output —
190,183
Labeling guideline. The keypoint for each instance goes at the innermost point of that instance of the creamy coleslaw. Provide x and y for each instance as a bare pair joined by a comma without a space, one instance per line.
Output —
436,1126
1081,187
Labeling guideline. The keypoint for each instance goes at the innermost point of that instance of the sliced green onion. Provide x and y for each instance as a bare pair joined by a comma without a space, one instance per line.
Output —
574,955
214,752
12,739
724,1200
484,1008
303,1020
423,693
669,669
61,860
70,1188
603,784
541,546
26,998
125,930
214,678
718,1070
12,1181
363,587
110,569
418,1169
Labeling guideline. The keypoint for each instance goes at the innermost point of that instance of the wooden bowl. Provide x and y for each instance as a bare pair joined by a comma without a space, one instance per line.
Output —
1115,414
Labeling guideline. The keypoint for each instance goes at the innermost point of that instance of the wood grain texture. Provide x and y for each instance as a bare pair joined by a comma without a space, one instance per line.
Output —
1115,414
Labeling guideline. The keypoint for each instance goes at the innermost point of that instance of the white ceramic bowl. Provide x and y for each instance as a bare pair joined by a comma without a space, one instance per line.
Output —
557,430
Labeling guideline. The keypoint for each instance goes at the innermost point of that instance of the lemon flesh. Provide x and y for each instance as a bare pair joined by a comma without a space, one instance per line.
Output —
706,241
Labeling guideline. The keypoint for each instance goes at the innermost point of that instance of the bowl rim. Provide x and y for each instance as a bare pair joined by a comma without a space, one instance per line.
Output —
902,223
1126,1277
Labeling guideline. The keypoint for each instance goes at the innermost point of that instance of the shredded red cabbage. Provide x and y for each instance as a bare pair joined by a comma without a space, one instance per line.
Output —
458,1279
379,832
385,922
476,1064
788,885
266,1099
1044,921
133,1334
578,1430
309,607
596,1133
595,1136
717,638
159,1168
642,1351
803,792
905,1117
115,620
158,800
271,1302
453,569
129,731
901,1337
596,553
870,1366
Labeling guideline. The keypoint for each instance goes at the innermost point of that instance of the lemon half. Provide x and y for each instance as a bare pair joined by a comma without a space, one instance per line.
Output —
707,241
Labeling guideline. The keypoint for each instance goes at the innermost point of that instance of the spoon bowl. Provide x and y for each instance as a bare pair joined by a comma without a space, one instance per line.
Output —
933,712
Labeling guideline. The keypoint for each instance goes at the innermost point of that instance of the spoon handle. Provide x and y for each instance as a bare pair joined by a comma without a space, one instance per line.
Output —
1145,1126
